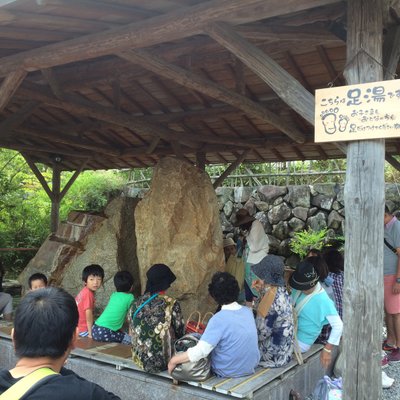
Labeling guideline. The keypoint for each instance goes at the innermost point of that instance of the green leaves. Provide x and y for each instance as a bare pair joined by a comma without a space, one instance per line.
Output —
306,240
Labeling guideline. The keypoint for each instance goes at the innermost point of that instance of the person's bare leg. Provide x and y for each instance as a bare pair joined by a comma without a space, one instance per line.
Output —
391,331
396,326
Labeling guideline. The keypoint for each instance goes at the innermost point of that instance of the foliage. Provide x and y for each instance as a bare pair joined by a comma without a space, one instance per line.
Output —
306,240
25,207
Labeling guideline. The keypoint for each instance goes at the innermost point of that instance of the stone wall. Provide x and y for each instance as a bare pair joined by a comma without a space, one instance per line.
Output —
284,210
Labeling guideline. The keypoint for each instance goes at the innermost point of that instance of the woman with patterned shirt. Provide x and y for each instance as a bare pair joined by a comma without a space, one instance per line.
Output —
274,319
155,321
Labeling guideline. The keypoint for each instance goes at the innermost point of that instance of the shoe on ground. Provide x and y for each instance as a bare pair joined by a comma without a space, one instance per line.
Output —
387,346
394,356
385,361
386,381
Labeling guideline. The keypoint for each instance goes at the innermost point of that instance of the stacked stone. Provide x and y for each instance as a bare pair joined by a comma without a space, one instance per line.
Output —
283,211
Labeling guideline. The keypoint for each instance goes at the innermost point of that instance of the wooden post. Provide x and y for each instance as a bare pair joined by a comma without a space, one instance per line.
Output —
201,160
56,198
364,199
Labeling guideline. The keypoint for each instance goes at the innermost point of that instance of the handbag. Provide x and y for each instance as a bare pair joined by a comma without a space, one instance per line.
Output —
198,324
191,371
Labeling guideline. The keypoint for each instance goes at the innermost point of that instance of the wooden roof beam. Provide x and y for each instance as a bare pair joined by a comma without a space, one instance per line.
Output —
87,108
9,85
283,84
328,65
392,161
211,89
185,22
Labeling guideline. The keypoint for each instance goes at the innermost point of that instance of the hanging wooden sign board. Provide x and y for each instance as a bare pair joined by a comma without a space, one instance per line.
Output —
358,112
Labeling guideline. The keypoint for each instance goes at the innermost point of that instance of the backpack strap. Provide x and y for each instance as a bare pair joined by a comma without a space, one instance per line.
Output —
28,382
390,246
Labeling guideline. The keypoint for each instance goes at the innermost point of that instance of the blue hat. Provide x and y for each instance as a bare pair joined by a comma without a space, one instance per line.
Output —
270,269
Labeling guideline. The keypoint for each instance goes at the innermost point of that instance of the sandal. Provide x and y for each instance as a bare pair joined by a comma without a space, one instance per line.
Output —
387,347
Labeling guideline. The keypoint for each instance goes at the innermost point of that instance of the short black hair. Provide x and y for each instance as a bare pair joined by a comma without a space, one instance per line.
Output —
387,211
92,269
319,265
35,277
123,281
335,261
224,288
44,324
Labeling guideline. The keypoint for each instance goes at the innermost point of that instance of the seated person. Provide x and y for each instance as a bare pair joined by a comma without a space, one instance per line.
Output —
45,331
37,281
155,321
6,305
314,309
107,327
230,335
92,277
274,319
321,268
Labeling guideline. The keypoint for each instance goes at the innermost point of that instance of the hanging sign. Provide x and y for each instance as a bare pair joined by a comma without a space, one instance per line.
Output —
357,112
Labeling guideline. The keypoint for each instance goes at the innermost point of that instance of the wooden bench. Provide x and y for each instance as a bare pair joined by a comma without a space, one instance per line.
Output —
120,357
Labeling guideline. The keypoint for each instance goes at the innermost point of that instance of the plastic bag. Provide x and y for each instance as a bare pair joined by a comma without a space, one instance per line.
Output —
328,389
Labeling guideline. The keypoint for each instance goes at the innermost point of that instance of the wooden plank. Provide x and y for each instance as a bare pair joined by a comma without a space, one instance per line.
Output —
211,89
364,196
283,84
52,80
9,85
185,22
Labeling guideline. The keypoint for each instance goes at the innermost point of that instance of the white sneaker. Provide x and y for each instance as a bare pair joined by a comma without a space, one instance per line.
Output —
386,381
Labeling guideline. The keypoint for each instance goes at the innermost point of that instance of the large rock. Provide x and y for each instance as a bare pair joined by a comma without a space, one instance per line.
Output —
269,193
281,230
224,194
317,222
334,220
327,189
322,201
279,213
274,244
301,213
226,225
296,224
177,223
263,218
262,205
228,208
392,193
108,240
298,196
250,206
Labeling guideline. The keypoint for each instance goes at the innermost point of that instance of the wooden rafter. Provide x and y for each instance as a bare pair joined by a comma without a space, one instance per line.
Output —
9,85
211,89
16,119
185,22
328,64
231,168
283,84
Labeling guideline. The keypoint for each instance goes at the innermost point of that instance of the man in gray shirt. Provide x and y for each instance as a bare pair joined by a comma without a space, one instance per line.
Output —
391,267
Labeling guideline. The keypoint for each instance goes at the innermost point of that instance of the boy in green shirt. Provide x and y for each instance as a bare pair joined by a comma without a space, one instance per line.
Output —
107,327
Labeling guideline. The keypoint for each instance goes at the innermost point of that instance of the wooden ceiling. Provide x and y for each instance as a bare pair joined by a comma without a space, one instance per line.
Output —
122,83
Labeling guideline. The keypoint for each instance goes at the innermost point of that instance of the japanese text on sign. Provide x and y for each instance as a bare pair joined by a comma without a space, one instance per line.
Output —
357,112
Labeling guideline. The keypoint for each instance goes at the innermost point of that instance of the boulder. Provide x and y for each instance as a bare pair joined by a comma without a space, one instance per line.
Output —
334,220
340,195
263,218
224,194
269,193
317,222
300,212
250,206
312,211
298,196
274,244
279,213
392,193
281,230
261,205
284,248
296,224
108,240
242,194
228,208
327,189
278,201
181,228
322,201
336,206
226,224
